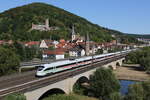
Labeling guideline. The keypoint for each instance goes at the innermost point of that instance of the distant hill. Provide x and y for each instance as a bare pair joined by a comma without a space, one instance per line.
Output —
16,23
145,36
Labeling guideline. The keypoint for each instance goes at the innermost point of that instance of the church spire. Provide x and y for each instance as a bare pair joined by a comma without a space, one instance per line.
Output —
73,33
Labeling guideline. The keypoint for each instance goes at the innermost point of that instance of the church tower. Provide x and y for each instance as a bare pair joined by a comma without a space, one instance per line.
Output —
73,33
87,45
47,23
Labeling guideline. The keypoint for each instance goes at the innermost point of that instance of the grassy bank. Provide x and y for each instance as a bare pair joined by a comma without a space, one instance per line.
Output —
69,97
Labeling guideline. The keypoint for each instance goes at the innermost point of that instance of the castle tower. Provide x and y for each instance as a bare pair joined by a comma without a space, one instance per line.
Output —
87,45
47,23
73,34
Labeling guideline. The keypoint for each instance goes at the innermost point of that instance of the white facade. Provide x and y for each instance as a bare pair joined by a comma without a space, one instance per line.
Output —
105,51
73,53
43,44
77,53
55,43
83,52
44,56
73,37
60,56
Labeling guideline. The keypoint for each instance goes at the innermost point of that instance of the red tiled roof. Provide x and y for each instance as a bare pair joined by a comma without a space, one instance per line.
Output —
32,43
62,41
54,52
2,41
60,45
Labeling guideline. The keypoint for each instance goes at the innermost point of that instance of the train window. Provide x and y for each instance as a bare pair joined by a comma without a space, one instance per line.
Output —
40,68
71,58
48,69
65,65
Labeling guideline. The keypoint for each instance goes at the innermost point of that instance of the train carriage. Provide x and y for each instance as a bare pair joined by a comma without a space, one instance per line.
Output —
60,66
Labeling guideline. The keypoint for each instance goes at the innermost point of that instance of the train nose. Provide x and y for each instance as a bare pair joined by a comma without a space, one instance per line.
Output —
39,74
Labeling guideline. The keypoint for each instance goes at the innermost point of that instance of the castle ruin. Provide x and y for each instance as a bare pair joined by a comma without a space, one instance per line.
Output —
43,27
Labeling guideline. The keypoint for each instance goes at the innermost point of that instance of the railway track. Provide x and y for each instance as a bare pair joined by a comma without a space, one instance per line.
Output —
30,82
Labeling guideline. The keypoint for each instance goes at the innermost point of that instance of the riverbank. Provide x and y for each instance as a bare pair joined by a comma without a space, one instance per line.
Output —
131,72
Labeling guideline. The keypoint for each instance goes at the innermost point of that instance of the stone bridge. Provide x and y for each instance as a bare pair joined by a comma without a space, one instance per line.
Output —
66,85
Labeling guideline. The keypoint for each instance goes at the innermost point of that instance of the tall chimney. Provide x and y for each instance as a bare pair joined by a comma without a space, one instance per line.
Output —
87,45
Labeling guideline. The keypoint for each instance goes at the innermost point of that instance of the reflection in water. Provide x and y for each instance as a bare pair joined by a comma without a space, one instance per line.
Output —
124,86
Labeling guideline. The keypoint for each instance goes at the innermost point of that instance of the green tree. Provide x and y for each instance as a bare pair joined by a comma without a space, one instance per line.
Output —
68,97
115,96
103,83
9,61
30,53
78,89
139,91
135,92
146,88
100,51
15,97
20,50
51,48
141,57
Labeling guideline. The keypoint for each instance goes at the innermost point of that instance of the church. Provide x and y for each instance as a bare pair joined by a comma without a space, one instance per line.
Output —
76,37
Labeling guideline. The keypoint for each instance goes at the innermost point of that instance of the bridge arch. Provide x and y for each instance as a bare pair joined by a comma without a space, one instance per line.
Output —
123,61
51,92
80,85
118,64
82,79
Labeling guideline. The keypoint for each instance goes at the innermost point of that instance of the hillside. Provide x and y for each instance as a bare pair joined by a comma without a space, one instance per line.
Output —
145,36
16,24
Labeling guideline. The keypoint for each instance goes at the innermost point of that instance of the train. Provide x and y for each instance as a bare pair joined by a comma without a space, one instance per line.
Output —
59,66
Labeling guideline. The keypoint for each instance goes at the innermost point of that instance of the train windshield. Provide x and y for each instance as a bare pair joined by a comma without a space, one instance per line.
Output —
40,68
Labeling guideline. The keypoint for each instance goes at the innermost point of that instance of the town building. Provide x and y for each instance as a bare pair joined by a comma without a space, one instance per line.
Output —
77,51
43,45
53,54
8,42
144,40
32,43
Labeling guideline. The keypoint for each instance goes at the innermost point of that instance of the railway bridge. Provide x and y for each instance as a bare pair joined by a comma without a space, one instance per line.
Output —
63,82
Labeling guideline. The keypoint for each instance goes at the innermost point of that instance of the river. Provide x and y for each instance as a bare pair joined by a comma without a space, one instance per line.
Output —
124,86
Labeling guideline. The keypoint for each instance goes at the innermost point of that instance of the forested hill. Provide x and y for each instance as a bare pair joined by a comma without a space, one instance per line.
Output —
145,36
16,23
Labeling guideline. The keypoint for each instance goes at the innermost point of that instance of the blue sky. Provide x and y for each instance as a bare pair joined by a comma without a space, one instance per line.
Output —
129,16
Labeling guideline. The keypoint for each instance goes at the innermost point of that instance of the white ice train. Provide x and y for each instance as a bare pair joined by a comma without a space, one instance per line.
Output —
58,66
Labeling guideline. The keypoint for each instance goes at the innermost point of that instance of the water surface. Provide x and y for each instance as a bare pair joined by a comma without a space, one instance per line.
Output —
124,86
